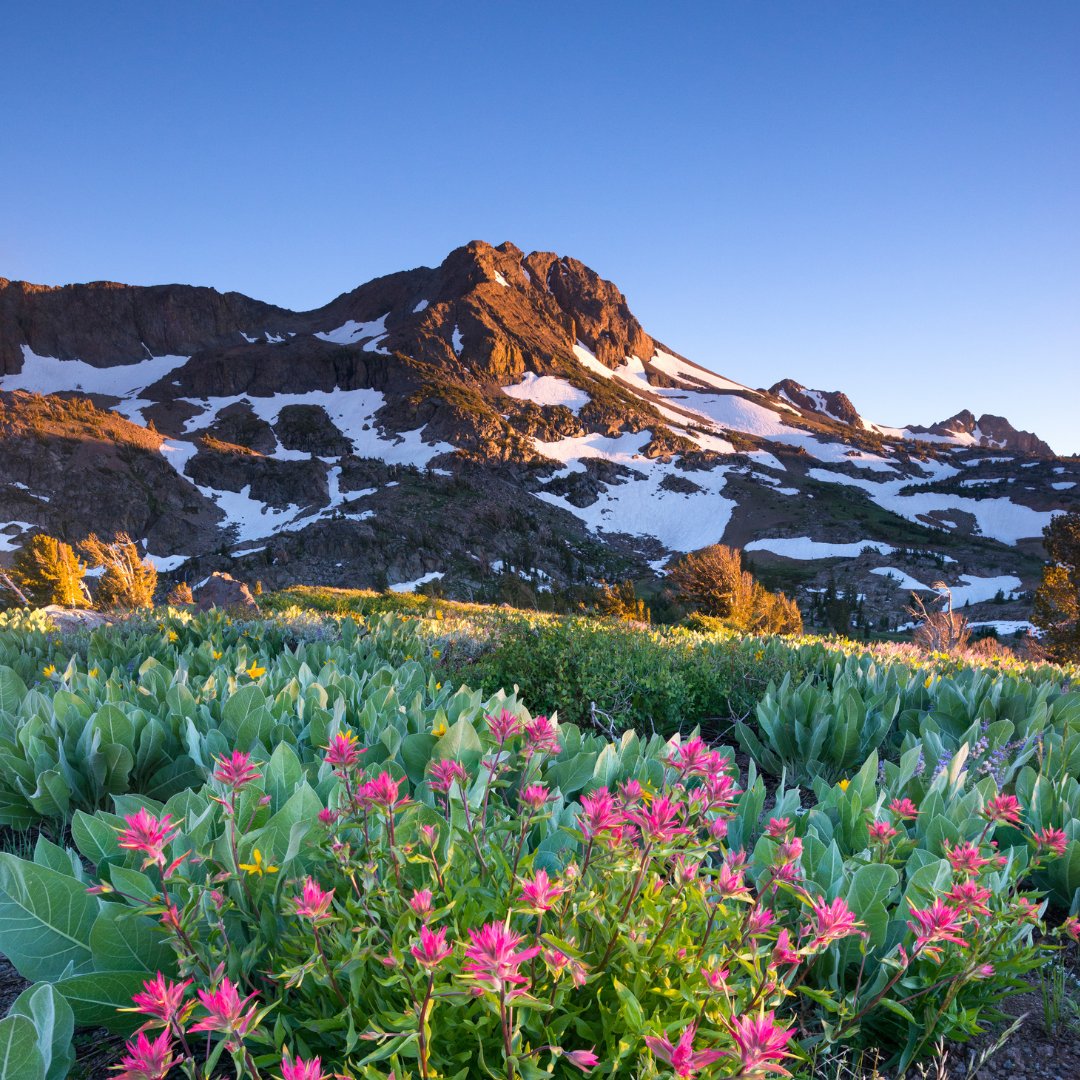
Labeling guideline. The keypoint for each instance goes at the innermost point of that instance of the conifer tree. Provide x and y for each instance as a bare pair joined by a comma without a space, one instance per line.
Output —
49,572
1057,600
714,582
129,581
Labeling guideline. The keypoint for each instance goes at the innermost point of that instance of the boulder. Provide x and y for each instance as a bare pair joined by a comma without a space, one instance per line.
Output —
74,618
224,591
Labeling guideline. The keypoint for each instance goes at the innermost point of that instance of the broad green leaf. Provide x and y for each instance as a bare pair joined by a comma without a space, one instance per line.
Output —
96,997
12,690
122,940
460,743
20,1058
94,837
416,752
45,920
54,1024
281,775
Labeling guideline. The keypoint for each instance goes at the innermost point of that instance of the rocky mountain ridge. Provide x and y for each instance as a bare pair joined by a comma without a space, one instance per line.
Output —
501,415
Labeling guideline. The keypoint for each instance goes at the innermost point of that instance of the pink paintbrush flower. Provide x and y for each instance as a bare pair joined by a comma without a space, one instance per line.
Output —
420,902
691,758
493,959
299,1069
1004,809
1055,840
684,1060
444,774
540,894
784,952
560,964
936,925
720,791
313,902
904,809
147,1059
729,883
342,752
541,736
225,1010
236,772
659,822
162,1000
148,834
965,858
778,828
760,1044
583,1059
504,726
432,949
383,792
831,922
969,897
535,796
759,919
881,832
600,813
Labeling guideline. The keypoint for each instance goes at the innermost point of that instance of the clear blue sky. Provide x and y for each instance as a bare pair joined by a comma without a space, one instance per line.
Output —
882,197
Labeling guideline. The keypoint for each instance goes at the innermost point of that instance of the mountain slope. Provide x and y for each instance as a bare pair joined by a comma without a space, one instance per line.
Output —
501,411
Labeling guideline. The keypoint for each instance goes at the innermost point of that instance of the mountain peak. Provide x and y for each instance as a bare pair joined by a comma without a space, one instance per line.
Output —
832,404
992,432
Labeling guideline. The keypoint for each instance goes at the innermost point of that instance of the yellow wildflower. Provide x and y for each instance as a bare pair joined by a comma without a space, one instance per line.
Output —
173,636
759,655
438,686
929,680
439,731
843,785
255,671
257,866
435,654
49,671
93,673
215,653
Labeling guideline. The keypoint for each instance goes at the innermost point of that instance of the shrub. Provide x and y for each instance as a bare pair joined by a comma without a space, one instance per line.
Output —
49,572
180,595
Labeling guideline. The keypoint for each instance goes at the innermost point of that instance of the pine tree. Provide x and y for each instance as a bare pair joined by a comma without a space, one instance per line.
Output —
49,572
714,582
1057,600
128,581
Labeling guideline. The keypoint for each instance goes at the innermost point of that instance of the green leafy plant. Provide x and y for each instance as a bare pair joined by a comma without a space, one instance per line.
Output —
814,731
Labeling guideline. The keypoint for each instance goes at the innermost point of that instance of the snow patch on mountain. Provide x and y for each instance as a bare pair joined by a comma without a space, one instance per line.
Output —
901,579
802,547
11,534
412,586
640,505
353,332
49,375
547,390
999,518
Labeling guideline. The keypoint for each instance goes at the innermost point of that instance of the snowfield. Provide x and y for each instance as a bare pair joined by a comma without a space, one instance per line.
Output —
999,518
639,505
353,332
48,375
412,586
802,547
547,390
